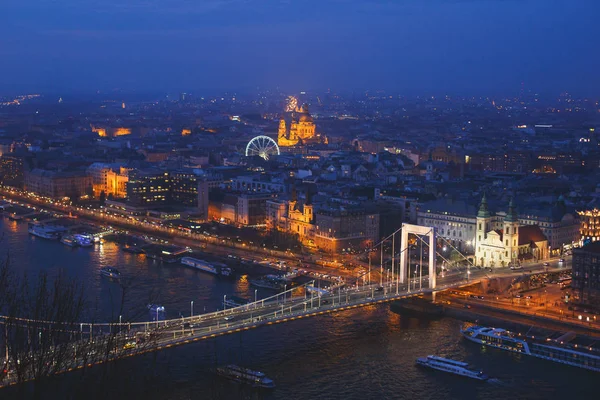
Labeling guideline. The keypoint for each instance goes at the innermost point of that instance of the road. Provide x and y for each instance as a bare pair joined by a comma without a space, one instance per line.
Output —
220,246
201,242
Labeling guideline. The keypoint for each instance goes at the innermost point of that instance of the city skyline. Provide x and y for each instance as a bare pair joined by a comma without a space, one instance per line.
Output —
299,199
458,47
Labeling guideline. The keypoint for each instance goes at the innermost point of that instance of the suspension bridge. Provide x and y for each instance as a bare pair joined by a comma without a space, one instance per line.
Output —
86,344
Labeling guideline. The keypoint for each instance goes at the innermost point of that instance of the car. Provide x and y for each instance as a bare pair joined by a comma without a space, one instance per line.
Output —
546,264
467,306
379,289
129,345
480,297
518,296
229,318
562,260
528,297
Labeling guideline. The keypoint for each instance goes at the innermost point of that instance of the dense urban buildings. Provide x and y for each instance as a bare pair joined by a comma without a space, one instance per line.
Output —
586,275
386,160
58,184
327,193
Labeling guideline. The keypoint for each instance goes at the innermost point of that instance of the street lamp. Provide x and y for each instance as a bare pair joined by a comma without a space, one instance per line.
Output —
415,277
255,297
119,324
224,300
284,292
192,308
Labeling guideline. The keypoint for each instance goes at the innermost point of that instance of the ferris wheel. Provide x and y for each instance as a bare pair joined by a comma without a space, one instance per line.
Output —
262,146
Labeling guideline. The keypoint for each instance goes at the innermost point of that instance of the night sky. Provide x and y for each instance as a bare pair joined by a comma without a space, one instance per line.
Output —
412,46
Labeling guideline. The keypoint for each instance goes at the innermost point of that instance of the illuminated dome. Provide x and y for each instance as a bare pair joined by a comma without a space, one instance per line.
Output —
304,114
305,118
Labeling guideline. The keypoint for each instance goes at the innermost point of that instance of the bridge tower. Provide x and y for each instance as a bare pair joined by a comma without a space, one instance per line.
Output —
428,231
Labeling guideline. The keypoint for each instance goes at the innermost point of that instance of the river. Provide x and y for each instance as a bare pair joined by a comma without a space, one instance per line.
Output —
367,353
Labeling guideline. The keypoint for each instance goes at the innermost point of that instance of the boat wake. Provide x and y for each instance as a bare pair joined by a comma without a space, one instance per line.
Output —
497,382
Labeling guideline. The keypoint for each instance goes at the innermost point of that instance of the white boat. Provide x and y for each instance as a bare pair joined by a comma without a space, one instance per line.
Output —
581,356
451,366
68,240
110,272
199,264
267,283
245,375
213,268
84,240
43,231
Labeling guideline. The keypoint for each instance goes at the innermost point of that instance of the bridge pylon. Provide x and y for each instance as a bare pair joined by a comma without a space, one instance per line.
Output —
428,231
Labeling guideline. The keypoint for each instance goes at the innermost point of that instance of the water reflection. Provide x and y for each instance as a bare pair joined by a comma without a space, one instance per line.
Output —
362,353
13,226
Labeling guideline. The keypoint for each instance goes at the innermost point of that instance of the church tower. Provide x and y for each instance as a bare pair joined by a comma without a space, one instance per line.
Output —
308,207
484,220
511,234
293,199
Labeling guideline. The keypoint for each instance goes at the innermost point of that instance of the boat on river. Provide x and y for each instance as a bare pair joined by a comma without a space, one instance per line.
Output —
451,366
110,272
246,375
43,231
68,240
267,283
560,351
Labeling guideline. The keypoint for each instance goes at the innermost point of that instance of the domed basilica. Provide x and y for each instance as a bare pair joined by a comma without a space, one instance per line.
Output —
296,127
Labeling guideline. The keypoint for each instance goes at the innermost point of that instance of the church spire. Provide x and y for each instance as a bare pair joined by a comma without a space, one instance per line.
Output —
511,216
483,208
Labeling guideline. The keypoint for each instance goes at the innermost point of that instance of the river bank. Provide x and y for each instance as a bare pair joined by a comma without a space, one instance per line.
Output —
199,242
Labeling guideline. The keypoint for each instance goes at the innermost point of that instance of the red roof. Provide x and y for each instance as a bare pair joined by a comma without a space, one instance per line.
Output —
530,234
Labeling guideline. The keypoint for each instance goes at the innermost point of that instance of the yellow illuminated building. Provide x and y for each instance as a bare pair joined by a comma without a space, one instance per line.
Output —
296,126
104,179
111,132
122,131
590,224
100,131
185,132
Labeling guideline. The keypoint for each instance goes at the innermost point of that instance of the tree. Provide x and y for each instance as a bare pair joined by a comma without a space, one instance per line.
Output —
34,349
102,198
455,256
